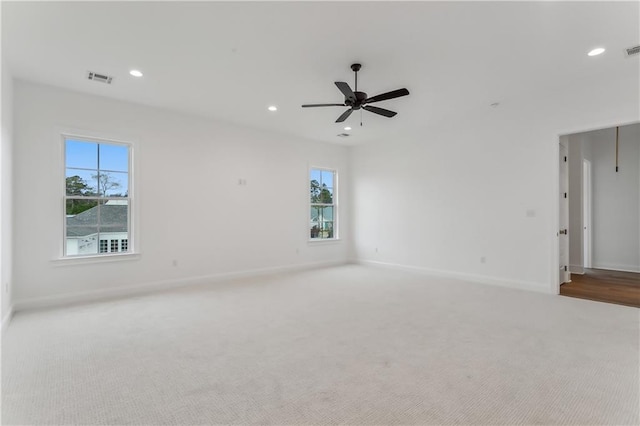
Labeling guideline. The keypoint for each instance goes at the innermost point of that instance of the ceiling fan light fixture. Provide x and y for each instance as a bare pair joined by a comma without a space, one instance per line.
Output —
272,108
347,128
136,73
597,51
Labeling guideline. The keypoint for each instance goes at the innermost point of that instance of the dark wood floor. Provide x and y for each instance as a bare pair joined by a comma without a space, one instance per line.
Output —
618,287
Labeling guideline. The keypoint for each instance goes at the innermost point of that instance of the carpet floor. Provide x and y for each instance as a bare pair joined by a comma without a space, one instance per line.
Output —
343,345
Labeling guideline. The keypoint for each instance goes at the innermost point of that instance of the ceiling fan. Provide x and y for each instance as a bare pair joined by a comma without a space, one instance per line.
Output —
356,100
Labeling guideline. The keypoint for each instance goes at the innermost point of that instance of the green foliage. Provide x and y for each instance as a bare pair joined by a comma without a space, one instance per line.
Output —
75,206
320,194
315,191
76,186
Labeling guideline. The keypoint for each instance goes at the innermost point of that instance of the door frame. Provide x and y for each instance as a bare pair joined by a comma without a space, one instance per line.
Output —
564,276
586,214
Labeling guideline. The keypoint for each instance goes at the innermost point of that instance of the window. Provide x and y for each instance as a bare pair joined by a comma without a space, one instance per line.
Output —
322,184
97,199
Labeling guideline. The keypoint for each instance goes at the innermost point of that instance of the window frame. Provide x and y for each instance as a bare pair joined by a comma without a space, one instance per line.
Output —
336,183
131,216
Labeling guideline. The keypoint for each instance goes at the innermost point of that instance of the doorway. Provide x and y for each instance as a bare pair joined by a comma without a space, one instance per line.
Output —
603,221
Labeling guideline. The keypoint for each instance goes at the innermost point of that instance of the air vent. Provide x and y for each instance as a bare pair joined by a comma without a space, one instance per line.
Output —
633,51
343,135
99,77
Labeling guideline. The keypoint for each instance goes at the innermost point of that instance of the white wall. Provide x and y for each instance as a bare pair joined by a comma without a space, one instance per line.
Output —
6,163
616,198
481,185
190,207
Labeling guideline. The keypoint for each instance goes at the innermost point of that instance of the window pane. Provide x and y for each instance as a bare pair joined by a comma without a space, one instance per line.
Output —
82,227
314,188
327,178
81,212
114,184
321,222
81,182
114,217
327,230
81,154
323,230
315,175
114,157
326,195
81,241
314,221
327,214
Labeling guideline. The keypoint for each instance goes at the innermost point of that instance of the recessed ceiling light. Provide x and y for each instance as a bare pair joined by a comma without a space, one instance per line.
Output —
273,108
135,73
347,128
596,52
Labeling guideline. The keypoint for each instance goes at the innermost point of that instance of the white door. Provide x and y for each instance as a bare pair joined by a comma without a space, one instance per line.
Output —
563,237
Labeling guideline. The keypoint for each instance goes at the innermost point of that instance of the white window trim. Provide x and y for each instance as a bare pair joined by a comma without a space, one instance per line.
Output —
336,219
95,258
133,253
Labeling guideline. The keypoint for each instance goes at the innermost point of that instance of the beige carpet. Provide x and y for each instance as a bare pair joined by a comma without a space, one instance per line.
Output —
352,344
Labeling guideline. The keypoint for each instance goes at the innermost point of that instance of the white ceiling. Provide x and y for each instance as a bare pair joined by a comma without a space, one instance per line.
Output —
230,61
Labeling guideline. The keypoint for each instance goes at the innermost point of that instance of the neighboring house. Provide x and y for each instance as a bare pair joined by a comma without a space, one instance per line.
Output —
321,221
85,235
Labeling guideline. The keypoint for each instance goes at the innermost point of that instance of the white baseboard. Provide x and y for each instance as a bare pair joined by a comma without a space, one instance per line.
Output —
145,288
621,268
6,320
483,279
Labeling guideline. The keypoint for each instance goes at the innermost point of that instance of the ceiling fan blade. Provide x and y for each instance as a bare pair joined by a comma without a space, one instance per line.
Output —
344,115
320,105
346,90
389,95
380,111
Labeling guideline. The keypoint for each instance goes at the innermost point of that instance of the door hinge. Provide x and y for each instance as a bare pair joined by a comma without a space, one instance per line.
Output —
565,268
565,195
563,232
565,158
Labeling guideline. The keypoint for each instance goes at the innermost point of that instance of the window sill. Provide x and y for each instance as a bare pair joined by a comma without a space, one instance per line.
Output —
84,260
324,241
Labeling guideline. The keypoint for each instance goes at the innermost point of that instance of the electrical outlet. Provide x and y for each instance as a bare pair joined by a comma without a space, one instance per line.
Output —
483,259
174,262
297,251
376,249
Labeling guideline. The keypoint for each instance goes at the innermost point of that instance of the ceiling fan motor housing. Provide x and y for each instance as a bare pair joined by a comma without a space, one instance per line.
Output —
360,98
